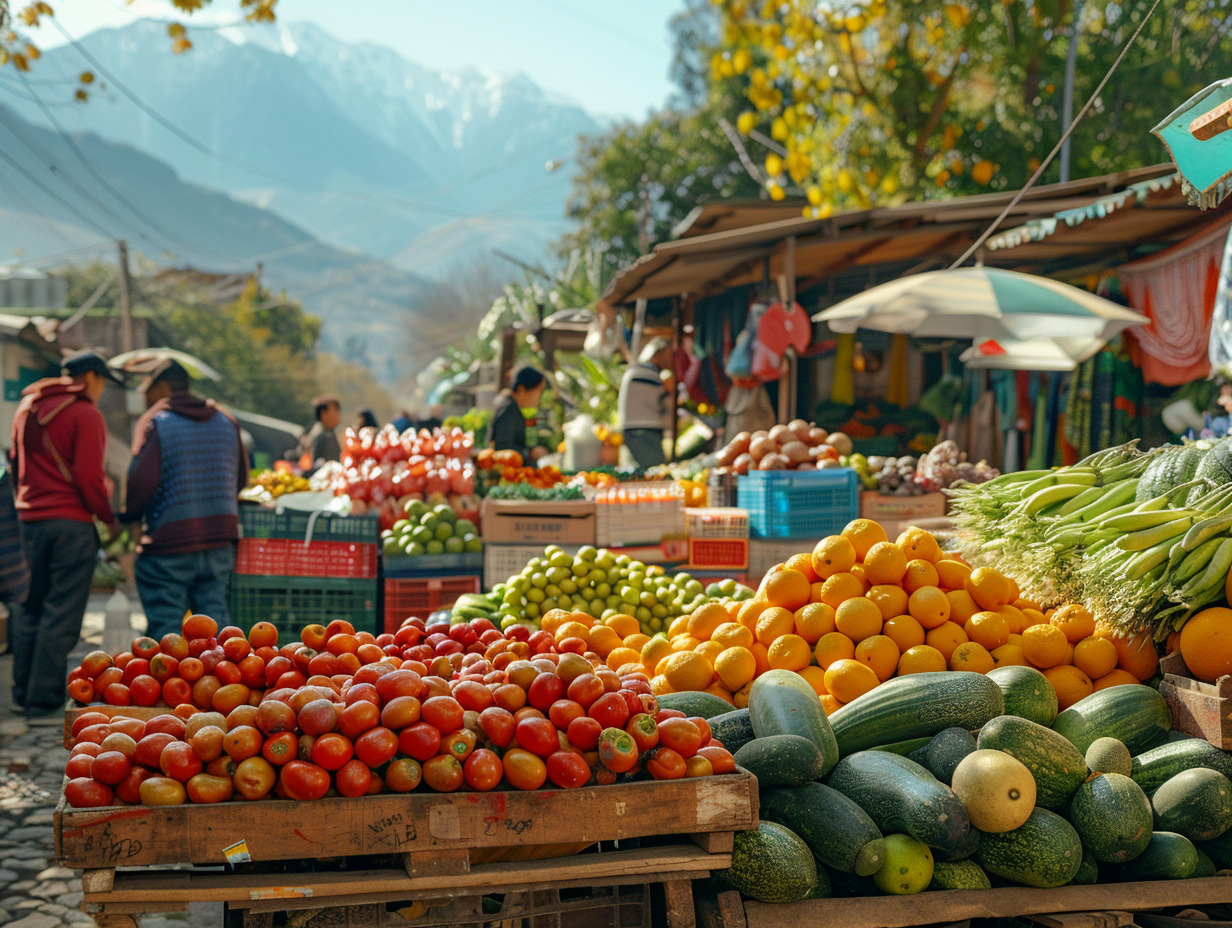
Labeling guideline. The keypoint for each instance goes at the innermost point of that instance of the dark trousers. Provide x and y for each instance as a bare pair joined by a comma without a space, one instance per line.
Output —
172,584
645,446
46,627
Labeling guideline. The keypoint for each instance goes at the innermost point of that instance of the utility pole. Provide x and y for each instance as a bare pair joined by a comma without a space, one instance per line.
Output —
1067,100
126,306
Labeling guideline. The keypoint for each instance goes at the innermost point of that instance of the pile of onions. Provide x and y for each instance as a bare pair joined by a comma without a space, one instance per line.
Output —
798,445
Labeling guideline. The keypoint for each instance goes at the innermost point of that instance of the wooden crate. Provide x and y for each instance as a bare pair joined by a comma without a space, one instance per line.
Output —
896,513
1198,708
729,910
432,825
450,897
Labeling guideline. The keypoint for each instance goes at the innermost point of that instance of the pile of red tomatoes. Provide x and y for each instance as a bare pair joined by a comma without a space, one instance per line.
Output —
463,707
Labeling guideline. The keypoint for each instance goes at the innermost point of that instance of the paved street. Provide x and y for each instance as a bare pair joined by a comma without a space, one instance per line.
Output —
34,891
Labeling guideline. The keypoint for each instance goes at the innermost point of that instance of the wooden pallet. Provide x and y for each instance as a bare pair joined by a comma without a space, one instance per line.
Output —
729,910
450,896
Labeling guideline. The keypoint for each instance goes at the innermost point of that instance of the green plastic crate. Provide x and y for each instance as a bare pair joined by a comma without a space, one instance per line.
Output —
259,522
290,603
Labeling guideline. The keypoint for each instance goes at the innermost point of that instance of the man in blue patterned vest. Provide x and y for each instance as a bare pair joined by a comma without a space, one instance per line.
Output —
188,467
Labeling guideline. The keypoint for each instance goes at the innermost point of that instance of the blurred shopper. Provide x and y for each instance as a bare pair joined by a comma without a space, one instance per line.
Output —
366,420
508,429
188,467
646,404
321,442
58,445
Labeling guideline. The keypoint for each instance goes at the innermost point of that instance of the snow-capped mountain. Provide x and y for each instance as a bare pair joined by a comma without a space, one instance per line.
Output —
352,142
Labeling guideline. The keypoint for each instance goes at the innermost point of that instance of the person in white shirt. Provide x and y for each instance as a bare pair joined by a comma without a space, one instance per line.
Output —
647,404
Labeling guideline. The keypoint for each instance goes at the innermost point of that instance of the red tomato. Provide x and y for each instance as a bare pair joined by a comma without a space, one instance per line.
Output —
96,662
92,748
483,770
568,770
523,769
227,672
81,691
150,748
87,719
364,691
302,780
117,694
443,773
668,714
207,743
206,788
353,779
274,716
564,711
721,760
617,750
263,634
544,690
118,741
703,726
332,751
537,736
697,766
584,733
644,731
318,717
401,682
87,793
80,765
129,789
666,764
401,712
403,774
199,626
460,743
376,746
254,777
95,733
585,689
610,710
421,741
473,695
171,724
443,713
358,717
241,742
510,696
499,726
179,761
176,692
145,647
281,748
681,735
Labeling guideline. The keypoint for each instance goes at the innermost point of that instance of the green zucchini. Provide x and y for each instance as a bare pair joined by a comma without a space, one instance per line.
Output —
771,864
781,703
901,796
959,874
1134,715
1168,856
1088,873
839,832
1194,803
1153,768
916,705
732,729
904,748
692,703
1045,851
781,760
1206,866
1113,817
1027,693
1058,767
961,849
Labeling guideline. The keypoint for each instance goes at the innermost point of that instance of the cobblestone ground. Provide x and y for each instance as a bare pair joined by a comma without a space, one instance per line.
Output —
34,891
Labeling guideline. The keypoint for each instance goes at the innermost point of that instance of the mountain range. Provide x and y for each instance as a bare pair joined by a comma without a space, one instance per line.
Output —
354,175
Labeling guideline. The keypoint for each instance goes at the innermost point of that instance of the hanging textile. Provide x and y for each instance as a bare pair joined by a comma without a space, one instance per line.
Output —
1176,289
898,390
843,389
1038,457
1078,411
1220,353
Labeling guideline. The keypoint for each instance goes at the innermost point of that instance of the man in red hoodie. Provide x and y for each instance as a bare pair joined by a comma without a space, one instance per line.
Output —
58,447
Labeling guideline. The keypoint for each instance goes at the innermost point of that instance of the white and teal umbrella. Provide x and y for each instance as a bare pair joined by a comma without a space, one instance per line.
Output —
981,303
1033,354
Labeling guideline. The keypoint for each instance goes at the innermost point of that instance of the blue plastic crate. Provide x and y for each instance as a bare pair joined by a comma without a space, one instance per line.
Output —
799,504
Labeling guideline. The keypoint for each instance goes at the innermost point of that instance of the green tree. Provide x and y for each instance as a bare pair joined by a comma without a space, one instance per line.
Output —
873,101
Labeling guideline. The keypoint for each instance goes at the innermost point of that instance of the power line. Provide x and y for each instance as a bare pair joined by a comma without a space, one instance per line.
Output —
102,181
55,196
21,200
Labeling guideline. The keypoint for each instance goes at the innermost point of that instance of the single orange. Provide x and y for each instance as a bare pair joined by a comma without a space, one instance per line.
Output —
802,563
990,588
1009,655
838,589
705,620
833,647
920,573
951,574
1044,645
929,606
880,653
1117,677
972,656
834,554
885,562
1138,655
1070,683
1075,620
816,678
814,620
774,623
863,534
921,659
917,543
789,589
1206,643
904,630
988,628
789,652
858,619
849,679
1096,657
890,598
962,606
945,638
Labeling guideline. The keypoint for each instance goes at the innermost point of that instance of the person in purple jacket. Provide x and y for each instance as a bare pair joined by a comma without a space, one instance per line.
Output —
188,467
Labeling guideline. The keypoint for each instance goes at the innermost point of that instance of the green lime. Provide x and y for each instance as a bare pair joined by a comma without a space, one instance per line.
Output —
435,547
444,530
587,553
392,547
445,514
474,544
465,527
535,595
455,545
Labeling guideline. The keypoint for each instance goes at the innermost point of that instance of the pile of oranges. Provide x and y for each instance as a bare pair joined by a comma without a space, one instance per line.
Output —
858,610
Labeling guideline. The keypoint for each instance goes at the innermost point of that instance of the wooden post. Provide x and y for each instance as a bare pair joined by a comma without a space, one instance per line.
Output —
787,369
126,307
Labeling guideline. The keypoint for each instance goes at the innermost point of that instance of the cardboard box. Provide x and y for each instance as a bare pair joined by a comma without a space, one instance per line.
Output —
519,522
1198,708
896,513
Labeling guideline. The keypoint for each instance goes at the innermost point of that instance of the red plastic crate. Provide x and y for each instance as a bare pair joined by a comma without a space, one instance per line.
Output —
418,596
288,558
719,553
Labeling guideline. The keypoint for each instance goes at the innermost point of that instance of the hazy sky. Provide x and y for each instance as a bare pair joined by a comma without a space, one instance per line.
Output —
611,56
